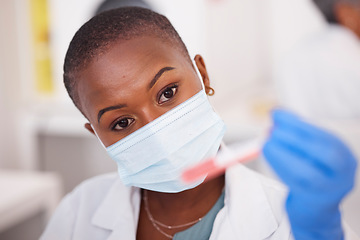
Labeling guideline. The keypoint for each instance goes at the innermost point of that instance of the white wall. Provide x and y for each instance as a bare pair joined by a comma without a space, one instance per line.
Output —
66,18
237,60
2,138
188,18
289,23
10,98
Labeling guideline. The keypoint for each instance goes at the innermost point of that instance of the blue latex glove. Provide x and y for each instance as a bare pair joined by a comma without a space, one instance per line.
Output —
319,170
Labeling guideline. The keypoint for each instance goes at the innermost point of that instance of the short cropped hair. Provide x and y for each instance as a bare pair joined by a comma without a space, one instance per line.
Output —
98,34
327,7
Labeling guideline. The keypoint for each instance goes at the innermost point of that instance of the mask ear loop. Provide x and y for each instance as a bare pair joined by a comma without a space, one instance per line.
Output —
223,145
199,75
201,79
102,144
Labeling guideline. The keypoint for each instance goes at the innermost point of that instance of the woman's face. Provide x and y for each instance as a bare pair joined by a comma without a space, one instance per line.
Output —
133,83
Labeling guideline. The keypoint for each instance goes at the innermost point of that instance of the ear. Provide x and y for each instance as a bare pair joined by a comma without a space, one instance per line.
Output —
89,128
348,15
199,61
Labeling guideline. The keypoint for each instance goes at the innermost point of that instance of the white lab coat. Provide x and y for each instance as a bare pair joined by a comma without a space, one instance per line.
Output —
103,208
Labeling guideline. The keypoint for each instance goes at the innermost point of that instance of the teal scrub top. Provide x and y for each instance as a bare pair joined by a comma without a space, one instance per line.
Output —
202,230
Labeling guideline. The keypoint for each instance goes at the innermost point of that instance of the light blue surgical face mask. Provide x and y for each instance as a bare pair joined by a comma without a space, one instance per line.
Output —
154,156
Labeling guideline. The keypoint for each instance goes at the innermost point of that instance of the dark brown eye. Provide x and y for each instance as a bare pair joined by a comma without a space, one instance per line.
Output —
123,123
167,94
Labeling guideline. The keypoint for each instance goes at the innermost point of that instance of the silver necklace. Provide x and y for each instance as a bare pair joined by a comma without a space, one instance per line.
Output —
158,224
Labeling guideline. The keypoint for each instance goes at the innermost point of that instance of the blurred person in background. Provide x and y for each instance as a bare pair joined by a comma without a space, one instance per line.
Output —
320,77
345,13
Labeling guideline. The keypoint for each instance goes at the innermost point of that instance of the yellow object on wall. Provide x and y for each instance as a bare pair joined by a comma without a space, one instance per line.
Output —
41,46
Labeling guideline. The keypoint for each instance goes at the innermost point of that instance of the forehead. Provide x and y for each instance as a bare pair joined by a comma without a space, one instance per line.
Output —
125,65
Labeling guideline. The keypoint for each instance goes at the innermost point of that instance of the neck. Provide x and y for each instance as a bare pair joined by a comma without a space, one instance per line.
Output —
192,204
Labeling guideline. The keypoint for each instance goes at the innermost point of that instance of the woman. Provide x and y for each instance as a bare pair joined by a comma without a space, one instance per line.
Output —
129,73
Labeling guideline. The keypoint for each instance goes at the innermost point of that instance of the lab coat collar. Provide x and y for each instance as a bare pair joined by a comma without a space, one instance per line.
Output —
248,205
119,211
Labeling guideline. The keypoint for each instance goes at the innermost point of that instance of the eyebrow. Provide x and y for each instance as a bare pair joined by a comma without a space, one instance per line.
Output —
151,84
102,111
158,75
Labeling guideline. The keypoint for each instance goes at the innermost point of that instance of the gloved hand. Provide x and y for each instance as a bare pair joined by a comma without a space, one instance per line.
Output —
318,169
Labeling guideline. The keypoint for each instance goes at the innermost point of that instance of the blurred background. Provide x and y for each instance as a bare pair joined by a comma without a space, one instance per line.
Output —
260,54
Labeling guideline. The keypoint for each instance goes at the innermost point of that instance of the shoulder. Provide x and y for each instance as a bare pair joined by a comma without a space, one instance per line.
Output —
89,194
267,191
256,201
275,191
270,185
74,214
241,173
